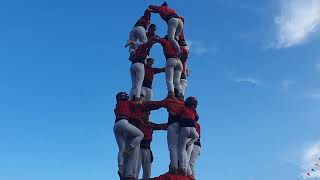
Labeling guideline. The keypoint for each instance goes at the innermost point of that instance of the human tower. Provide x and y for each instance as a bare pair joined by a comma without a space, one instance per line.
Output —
133,129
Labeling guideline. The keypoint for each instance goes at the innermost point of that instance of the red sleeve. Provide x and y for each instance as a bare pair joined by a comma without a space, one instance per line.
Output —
147,14
155,9
173,106
158,70
153,105
162,41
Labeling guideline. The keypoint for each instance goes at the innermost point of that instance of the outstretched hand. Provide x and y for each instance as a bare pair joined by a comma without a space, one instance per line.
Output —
129,43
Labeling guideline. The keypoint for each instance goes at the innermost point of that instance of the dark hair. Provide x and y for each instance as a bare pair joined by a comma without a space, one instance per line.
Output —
164,4
152,26
150,59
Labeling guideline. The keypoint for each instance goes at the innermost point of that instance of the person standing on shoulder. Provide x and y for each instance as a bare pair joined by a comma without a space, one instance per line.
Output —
173,66
175,24
138,35
137,70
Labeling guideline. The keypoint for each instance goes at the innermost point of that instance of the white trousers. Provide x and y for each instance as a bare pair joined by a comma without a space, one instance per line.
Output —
184,85
147,92
137,76
194,156
173,74
173,132
138,35
127,136
175,27
188,135
145,160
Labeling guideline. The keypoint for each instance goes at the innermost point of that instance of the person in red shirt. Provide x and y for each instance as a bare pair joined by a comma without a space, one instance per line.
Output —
148,78
173,66
146,156
123,130
138,35
175,24
129,117
187,115
137,69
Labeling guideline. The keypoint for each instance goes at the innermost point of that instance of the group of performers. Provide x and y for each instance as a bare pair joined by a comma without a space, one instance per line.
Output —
133,128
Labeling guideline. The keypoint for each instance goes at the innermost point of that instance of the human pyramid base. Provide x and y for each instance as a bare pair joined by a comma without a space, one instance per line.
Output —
133,128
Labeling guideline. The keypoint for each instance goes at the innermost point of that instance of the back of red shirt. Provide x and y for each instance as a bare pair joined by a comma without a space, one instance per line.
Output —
144,20
143,51
168,49
123,109
164,11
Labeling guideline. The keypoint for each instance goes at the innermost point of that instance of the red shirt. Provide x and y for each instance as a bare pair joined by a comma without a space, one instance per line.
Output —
123,109
140,112
144,20
168,49
182,41
147,129
143,51
148,75
164,11
178,107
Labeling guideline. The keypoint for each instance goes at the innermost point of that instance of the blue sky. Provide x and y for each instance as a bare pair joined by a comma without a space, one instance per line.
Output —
255,68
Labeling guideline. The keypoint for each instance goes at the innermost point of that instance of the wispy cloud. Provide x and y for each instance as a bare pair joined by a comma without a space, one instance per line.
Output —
286,84
314,95
200,49
247,80
310,157
297,21
317,66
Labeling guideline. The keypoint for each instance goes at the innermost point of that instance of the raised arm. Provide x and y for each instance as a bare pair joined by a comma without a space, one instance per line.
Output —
158,70
154,8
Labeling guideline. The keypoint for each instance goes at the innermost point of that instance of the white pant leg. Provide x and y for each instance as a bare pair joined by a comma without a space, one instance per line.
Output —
146,162
194,156
132,161
189,151
147,92
133,83
133,135
173,138
138,35
187,135
177,75
170,68
184,85
139,165
120,138
175,26
137,76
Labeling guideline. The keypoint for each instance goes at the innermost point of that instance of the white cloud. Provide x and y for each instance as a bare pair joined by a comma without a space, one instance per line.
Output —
297,21
200,48
310,157
314,95
286,84
317,66
248,80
